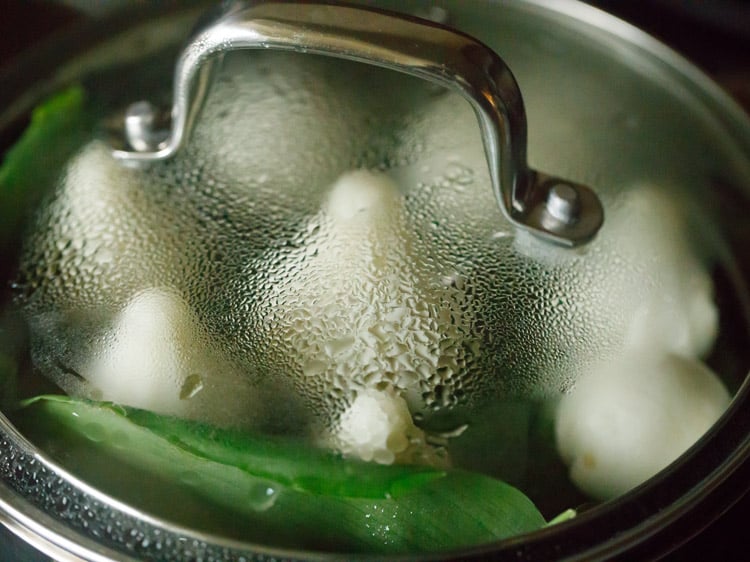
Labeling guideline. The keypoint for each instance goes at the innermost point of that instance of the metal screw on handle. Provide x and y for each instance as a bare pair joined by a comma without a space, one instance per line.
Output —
561,211
563,203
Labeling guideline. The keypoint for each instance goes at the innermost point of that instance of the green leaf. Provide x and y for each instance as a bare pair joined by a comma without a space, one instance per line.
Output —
276,492
56,129
284,462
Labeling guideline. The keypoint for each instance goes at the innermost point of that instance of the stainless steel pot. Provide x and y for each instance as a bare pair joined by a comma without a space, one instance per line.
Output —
656,118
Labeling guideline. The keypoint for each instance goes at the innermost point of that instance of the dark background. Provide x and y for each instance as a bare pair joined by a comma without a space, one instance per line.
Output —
713,34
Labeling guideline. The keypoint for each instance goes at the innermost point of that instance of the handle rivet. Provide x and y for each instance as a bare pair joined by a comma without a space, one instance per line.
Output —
563,203
140,125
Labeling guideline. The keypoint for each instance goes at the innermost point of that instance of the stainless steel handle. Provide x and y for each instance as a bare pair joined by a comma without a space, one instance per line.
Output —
561,211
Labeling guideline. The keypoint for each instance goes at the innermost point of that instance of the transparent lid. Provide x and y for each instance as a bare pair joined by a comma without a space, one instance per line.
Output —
330,228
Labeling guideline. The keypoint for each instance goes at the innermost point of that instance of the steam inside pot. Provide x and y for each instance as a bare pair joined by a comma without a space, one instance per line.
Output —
327,261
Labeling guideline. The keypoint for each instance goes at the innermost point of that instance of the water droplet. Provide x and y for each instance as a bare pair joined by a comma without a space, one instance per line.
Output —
120,440
190,478
314,367
262,496
192,385
94,432
456,432
501,234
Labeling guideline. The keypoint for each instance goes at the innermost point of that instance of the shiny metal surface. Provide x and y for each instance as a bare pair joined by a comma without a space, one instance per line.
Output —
421,49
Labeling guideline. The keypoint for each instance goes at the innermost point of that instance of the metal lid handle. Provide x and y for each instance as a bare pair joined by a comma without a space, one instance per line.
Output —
558,210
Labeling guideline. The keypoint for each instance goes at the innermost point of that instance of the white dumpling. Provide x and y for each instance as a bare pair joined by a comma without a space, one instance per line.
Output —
631,415
629,419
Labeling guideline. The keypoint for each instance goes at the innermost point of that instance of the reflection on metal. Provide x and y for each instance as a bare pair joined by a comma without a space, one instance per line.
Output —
423,49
